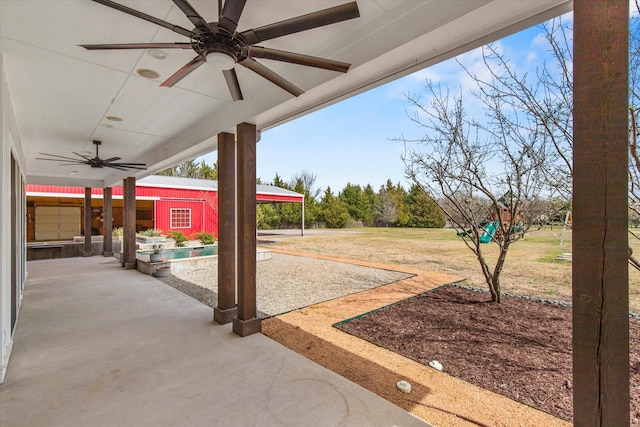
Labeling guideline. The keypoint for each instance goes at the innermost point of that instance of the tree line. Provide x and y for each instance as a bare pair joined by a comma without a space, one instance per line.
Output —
353,206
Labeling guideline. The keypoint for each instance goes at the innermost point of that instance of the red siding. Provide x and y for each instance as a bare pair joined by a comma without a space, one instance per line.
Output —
166,198
198,216
278,198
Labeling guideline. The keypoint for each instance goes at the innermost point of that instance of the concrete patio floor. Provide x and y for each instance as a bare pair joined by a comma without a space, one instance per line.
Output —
101,346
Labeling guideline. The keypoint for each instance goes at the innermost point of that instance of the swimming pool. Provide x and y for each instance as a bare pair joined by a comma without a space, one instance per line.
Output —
191,258
182,253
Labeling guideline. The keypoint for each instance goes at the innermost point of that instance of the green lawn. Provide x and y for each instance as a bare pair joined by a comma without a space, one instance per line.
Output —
531,267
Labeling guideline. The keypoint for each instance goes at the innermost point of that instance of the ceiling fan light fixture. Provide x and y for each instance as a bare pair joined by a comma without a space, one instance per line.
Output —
147,73
221,60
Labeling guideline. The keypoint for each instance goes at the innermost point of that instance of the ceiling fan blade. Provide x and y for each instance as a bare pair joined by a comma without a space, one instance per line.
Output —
83,156
274,78
113,159
232,83
70,162
60,157
126,164
115,167
297,58
184,71
132,167
193,15
137,46
302,23
230,15
149,18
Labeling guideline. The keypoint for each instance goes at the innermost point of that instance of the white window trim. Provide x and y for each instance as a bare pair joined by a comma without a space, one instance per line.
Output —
179,209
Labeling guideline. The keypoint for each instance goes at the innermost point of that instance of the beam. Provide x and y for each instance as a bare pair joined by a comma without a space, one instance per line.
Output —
107,224
600,246
87,222
226,310
246,323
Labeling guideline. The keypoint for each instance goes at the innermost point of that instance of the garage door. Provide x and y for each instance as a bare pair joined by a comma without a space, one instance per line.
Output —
57,222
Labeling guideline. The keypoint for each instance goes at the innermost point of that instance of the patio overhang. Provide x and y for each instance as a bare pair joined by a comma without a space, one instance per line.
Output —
65,96
56,98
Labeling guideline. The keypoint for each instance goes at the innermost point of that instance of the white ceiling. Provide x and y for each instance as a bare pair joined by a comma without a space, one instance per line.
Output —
62,94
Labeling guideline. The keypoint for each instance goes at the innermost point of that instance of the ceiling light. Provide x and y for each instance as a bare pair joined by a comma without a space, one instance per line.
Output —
157,54
114,118
73,173
106,125
221,61
148,74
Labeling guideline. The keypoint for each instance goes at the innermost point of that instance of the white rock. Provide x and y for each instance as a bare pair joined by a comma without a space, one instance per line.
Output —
436,365
404,386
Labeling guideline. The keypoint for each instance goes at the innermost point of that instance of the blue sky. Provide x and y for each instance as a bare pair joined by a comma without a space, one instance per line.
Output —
351,141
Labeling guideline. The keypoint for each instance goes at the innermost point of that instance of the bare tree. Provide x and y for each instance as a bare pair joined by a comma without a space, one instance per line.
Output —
386,210
484,175
308,180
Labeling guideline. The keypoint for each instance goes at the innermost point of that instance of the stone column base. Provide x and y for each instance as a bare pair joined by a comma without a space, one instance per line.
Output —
87,253
247,327
130,265
107,254
224,316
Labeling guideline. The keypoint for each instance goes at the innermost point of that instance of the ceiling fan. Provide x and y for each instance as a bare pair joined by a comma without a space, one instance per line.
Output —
220,43
95,162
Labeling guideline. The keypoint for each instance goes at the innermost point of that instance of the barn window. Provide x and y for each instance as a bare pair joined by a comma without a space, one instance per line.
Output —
180,218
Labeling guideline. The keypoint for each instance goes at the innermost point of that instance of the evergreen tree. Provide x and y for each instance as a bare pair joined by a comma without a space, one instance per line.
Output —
310,204
373,200
424,212
357,202
208,172
333,211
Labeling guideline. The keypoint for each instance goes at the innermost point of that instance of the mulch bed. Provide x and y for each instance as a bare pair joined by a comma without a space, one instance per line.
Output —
519,348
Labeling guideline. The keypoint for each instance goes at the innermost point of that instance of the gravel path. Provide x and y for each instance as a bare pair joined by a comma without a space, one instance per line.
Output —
287,282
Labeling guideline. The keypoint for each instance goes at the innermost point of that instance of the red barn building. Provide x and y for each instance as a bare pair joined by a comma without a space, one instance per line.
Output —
162,202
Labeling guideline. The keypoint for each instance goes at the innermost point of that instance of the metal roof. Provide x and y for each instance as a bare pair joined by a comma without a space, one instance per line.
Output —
211,185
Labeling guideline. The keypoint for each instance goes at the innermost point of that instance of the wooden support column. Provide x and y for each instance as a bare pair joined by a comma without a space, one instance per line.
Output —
87,223
129,219
246,323
123,246
226,310
107,223
600,269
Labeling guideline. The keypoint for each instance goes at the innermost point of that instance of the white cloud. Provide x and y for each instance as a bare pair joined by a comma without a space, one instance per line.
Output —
532,57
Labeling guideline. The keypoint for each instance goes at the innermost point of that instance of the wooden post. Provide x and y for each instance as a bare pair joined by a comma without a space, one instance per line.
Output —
129,219
87,222
600,270
107,224
246,323
125,201
226,310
